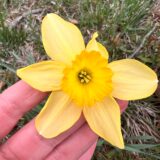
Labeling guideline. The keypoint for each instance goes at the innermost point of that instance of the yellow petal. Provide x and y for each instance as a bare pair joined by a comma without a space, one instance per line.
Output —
93,45
132,79
43,76
58,115
62,40
104,119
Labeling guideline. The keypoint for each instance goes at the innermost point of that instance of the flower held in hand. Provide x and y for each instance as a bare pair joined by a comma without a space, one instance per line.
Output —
82,80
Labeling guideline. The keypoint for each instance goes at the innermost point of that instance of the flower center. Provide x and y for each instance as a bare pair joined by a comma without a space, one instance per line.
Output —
84,76
88,80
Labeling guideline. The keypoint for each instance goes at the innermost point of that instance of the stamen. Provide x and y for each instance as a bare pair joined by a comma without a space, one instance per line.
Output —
82,80
84,77
86,80
89,77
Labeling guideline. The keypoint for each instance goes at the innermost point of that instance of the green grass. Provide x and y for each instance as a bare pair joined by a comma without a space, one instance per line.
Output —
122,26
11,37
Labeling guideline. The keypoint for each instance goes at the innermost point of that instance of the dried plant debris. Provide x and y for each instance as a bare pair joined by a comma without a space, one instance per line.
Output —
142,118
156,10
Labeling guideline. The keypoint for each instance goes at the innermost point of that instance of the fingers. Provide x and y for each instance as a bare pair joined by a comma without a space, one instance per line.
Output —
14,102
75,146
89,153
28,144
122,104
2,158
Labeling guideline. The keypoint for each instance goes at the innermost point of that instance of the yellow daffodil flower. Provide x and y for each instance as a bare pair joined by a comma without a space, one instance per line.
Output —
82,81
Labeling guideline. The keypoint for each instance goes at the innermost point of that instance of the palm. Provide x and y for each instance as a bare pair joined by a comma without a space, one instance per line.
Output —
77,143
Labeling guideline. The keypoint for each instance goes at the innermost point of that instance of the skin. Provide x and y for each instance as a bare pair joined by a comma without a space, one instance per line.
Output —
78,143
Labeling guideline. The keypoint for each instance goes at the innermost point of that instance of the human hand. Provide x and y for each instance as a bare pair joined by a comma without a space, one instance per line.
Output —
78,143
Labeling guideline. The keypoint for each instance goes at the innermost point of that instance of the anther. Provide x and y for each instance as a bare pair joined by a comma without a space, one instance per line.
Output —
82,80
89,77
84,77
85,73
80,75
86,80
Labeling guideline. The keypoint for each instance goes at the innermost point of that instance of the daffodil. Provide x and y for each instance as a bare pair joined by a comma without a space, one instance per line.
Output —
82,81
